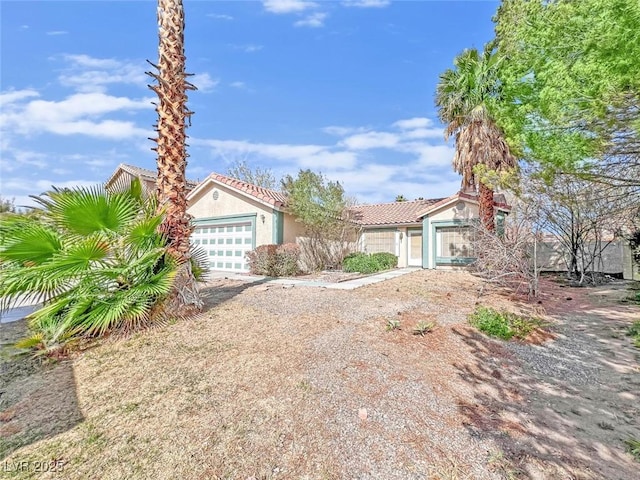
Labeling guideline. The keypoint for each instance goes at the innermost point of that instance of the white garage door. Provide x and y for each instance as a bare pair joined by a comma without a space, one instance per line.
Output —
225,244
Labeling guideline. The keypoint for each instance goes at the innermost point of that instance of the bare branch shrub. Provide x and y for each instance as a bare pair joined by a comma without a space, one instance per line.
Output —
507,256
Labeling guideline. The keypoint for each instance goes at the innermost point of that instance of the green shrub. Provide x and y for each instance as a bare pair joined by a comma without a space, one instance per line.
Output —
274,260
504,325
385,260
369,263
491,322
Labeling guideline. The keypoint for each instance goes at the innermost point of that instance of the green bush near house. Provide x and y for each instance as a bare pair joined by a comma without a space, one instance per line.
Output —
385,260
275,260
504,325
369,263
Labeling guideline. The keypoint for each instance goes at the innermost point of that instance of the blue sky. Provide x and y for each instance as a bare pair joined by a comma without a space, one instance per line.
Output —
342,87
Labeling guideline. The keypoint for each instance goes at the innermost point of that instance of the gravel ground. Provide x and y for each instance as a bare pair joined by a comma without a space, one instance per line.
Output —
276,382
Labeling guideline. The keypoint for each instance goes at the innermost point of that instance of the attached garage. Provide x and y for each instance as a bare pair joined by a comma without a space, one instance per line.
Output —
226,242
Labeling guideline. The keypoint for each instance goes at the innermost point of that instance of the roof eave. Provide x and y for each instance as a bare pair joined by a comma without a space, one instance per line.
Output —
278,206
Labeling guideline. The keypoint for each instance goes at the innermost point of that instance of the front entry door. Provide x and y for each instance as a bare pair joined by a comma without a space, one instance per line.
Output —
415,248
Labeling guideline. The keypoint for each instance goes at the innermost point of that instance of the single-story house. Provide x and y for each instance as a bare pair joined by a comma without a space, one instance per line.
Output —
232,217
431,233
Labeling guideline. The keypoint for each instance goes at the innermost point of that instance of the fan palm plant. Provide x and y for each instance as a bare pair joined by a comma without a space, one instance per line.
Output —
94,259
466,96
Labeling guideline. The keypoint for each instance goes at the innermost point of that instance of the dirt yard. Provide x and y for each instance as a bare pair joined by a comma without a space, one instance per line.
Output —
307,383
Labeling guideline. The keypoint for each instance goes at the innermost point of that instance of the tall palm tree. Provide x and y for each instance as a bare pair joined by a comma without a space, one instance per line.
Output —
171,143
465,97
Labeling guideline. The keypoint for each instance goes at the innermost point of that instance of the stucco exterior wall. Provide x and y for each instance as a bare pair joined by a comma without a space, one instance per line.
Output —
230,204
402,258
292,229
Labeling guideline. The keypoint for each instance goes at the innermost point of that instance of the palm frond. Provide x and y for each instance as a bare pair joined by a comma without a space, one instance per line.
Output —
28,242
86,210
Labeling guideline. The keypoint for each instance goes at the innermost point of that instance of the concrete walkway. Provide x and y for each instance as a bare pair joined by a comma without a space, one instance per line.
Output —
346,285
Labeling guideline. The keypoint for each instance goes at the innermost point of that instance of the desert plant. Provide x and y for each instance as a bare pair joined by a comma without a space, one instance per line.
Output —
287,258
633,331
392,324
94,259
423,327
274,260
633,447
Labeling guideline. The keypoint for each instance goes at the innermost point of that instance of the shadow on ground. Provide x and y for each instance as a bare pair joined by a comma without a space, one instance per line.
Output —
562,409
37,401
216,292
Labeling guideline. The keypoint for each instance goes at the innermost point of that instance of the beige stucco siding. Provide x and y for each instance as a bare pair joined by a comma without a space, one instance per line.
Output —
230,204
292,229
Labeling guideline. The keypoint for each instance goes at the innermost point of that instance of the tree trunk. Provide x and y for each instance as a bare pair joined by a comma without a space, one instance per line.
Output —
171,147
486,208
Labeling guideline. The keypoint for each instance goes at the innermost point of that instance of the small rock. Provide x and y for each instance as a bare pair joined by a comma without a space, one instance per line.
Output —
362,414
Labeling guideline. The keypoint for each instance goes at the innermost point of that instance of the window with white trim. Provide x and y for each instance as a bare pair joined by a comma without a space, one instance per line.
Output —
381,241
454,242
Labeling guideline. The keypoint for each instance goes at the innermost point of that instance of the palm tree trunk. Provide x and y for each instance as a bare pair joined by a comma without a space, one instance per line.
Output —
486,208
171,146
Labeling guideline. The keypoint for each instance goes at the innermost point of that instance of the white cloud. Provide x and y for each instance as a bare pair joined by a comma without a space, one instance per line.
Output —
288,6
239,85
424,133
371,140
429,155
315,20
219,16
57,32
248,48
204,82
91,62
374,165
411,123
77,114
13,96
88,74
366,3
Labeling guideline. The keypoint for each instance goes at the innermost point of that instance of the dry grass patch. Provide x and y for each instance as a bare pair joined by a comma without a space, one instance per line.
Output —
301,383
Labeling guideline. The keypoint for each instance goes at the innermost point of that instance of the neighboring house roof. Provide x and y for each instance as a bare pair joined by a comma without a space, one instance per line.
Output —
141,173
498,201
263,195
395,213
406,213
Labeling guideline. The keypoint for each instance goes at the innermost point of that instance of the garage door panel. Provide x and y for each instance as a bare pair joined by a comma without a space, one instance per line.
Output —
226,245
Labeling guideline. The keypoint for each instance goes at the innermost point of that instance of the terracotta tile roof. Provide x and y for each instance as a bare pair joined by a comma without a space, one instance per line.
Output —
143,173
396,213
265,195
499,201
